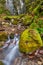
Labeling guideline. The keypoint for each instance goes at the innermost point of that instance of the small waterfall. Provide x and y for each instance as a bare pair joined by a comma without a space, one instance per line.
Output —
21,7
10,6
22,4
13,53
17,7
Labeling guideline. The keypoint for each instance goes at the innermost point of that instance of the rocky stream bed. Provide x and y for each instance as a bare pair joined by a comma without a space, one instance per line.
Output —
24,59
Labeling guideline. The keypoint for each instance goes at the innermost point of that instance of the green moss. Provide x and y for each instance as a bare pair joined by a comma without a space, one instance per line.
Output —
36,26
1,63
3,36
24,19
36,10
7,12
34,7
33,26
2,2
27,19
40,23
1,44
12,17
30,41
15,22
3,10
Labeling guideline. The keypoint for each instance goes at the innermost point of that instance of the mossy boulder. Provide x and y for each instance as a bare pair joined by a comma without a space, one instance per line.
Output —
1,63
30,41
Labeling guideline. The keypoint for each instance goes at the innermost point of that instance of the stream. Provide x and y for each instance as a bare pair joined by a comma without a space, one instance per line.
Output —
12,51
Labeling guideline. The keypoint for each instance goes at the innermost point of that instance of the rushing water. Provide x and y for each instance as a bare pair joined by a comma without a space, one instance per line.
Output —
14,51
10,6
20,7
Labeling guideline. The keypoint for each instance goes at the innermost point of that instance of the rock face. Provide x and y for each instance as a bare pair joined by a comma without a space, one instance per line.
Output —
30,41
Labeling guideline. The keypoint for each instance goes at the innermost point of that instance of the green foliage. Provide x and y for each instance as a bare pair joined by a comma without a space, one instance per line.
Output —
33,26
40,23
37,24
7,12
24,19
30,41
2,2
36,10
3,10
34,7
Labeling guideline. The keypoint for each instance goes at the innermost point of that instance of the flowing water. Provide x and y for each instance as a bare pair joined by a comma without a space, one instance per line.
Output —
14,51
22,6
19,7
10,6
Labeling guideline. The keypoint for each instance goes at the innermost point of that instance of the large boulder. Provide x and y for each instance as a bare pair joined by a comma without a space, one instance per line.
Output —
30,41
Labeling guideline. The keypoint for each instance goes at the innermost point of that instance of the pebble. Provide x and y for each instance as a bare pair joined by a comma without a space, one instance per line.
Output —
39,63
